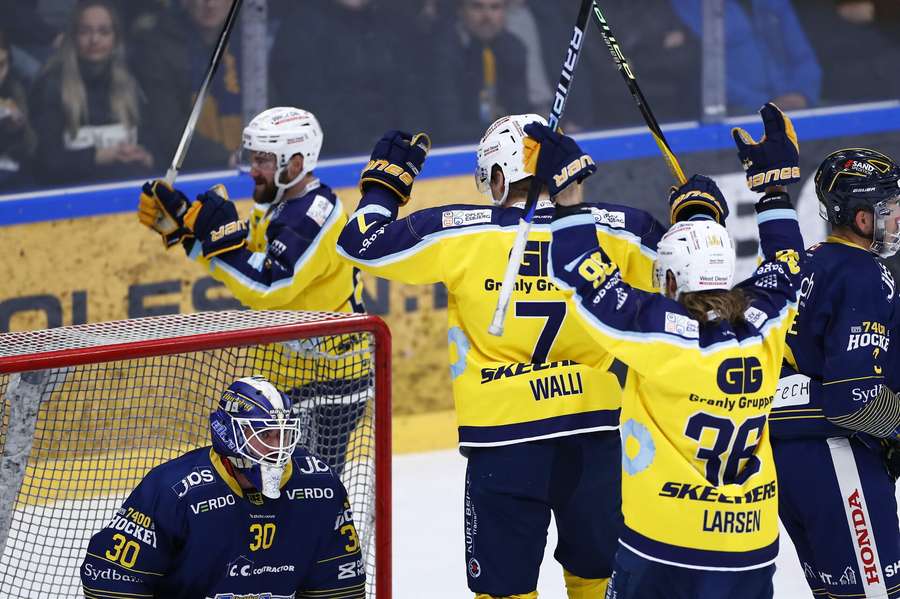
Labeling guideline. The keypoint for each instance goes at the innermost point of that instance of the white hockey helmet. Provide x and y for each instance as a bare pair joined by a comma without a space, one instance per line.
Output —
284,132
700,254
503,145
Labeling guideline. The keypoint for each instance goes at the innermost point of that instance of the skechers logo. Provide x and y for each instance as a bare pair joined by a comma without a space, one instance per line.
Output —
740,375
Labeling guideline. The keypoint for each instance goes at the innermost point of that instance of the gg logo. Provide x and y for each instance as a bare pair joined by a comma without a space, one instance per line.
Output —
740,375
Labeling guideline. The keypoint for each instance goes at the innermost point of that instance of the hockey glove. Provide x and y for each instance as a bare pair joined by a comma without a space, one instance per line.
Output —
892,457
560,161
162,209
775,159
397,160
699,198
215,223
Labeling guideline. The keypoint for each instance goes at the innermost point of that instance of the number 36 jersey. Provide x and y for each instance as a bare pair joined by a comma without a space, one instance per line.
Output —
188,531
698,479
544,377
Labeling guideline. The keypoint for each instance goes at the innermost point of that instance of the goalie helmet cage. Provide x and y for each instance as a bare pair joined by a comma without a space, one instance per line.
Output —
87,410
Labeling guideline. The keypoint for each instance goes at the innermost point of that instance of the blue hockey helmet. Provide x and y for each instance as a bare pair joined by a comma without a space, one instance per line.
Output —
855,179
253,428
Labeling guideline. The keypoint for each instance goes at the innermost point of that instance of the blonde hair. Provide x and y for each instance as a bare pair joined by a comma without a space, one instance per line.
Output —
723,305
123,95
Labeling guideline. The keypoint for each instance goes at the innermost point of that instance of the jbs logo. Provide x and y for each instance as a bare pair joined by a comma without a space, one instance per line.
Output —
740,375
196,478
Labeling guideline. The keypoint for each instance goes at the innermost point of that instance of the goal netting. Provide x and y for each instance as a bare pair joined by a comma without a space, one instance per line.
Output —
86,411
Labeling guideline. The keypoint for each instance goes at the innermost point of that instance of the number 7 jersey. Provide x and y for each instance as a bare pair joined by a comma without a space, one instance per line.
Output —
544,377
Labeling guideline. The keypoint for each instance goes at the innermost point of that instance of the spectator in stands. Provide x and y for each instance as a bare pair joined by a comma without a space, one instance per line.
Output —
481,72
521,22
662,51
768,56
88,105
362,65
170,61
17,140
32,37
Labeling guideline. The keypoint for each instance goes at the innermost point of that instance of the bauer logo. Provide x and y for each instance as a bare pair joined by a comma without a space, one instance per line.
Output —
740,375
196,478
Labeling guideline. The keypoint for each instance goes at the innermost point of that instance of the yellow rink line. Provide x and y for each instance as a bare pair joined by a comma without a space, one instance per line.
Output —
424,432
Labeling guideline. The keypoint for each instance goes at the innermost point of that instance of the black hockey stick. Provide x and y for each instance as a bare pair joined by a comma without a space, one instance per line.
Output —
631,81
191,124
563,88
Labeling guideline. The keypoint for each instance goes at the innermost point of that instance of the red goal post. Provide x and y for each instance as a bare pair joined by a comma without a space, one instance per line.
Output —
86,410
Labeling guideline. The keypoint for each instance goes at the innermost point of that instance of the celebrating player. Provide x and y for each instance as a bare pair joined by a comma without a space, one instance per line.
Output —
699,491
283,258
538,429
835,405
253,515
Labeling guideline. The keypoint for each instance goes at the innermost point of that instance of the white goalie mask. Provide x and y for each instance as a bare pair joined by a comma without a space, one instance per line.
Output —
700,255
283,132
503,146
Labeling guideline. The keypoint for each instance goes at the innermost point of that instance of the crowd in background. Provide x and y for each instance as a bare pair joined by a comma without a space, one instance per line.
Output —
95,90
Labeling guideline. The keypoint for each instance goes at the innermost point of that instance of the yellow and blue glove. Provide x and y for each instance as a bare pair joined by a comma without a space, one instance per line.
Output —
214,221
559,162
775,159
698,198
162,209
396,161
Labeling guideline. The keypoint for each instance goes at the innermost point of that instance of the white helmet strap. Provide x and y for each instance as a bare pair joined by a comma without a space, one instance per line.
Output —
283,187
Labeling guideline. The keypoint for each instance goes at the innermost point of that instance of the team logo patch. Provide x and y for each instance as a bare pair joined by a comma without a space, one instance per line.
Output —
679,324
638,448
461,218
319,210
616,220
755,316
474,568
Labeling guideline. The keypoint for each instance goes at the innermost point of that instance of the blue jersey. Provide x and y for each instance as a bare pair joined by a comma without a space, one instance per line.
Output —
839,348
188,531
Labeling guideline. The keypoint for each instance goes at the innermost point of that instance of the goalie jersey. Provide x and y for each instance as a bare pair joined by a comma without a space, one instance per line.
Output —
188,531
699,487
543,378
289,262
840,347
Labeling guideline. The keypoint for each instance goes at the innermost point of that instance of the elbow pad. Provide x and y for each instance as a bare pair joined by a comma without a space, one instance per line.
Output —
880,417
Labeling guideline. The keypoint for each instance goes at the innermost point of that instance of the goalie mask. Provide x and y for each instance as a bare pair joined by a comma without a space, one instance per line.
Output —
700,255
273,137
254,429
857,179
503,146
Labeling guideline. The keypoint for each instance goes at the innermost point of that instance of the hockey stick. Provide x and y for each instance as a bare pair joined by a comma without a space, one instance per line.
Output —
631,81
556,112
191,124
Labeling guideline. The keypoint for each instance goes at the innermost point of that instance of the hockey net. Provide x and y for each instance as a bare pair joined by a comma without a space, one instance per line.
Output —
86,411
